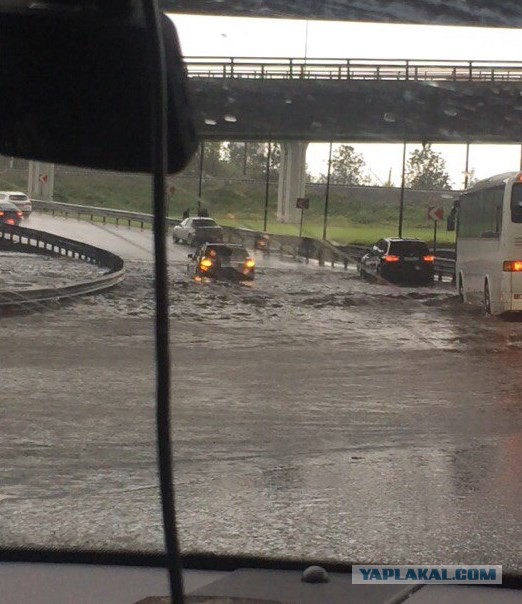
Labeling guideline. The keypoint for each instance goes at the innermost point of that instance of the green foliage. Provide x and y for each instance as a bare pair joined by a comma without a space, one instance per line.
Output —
426,170
348,167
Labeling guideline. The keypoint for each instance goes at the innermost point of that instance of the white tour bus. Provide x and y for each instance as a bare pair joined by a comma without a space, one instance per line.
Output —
488,217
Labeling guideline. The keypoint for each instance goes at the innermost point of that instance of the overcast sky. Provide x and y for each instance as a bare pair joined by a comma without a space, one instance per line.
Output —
248,37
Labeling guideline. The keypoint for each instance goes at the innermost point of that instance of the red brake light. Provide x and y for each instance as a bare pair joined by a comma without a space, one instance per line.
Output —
1,213
391,258
512,266
429,258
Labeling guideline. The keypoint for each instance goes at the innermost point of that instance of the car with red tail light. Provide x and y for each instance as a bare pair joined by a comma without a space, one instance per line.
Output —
398,260
10,214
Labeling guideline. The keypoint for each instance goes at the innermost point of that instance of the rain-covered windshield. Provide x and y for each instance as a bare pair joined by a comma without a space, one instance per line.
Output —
321,409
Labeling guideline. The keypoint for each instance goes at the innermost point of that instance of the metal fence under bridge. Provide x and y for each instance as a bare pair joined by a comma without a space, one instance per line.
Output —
353,69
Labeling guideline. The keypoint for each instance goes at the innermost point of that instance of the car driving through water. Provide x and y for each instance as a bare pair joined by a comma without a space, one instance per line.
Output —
9,213
222,261
399,260
20,200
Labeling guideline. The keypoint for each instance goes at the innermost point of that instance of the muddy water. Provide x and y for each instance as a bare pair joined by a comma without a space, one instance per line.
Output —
315,415
20,271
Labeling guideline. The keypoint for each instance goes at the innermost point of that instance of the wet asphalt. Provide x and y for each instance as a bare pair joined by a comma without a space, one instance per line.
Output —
313,415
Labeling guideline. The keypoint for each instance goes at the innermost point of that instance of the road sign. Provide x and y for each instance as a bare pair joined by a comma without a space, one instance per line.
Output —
303,203
435,213
43,178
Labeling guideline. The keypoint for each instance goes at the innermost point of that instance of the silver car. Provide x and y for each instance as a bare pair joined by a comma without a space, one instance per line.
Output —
197,230
19,199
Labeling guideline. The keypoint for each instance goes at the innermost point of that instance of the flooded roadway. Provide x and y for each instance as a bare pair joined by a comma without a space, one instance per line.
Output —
314,415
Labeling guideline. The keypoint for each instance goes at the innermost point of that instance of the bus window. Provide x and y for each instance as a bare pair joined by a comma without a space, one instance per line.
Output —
516,203
480,213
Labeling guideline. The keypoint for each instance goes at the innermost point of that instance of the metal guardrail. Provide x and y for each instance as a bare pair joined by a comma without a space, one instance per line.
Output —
445,267
353,69
22,239
106,214
285,245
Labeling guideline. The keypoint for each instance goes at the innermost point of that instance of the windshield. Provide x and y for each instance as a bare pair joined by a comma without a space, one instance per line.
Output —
204,222
8,206
325,406
18,197
408,248
230,253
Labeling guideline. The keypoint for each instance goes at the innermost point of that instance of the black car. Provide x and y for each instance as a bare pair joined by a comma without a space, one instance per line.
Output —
222,261
399,261
9,213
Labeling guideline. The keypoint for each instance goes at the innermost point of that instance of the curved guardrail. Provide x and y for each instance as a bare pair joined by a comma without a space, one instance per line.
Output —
21,239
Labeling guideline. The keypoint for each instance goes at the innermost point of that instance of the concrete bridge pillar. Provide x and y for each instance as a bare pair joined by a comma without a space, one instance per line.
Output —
292,180
41,180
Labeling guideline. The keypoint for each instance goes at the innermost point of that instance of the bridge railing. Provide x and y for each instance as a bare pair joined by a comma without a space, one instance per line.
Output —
353,69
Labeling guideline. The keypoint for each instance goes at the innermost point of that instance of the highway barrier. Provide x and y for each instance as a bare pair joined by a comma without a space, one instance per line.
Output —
21,239
308,248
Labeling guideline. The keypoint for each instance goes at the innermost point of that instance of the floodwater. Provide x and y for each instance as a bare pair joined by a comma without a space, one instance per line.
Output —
314,416
21,271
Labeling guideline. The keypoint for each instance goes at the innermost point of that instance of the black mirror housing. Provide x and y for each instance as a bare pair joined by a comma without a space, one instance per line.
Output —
76,89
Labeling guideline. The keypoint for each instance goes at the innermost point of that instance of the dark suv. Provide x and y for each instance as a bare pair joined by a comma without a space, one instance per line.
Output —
399,261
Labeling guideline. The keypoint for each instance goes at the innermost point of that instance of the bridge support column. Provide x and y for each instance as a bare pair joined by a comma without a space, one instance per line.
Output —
292,180
41,180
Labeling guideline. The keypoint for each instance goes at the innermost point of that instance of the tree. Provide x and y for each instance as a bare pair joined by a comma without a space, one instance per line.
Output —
427,170
249,159
348,167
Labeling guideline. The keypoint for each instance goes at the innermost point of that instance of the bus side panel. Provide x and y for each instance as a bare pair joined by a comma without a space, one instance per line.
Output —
477,261
515,298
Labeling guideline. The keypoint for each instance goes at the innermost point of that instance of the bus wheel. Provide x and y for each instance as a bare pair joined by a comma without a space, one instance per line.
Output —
487,299
461,289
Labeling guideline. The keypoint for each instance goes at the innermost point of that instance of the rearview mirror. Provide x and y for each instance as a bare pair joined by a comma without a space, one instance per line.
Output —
76,85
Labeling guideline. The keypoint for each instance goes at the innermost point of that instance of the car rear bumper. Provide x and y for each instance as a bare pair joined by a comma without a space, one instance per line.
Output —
413,273
228,274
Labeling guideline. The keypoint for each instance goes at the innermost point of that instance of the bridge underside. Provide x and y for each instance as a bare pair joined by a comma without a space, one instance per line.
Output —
357,111
505,13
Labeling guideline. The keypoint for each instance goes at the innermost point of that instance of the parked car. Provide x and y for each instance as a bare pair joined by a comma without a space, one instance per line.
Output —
222,261
399,260
20,200
9,213
197,230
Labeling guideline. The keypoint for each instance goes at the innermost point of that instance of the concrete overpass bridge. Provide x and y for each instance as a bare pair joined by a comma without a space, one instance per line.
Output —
298,101
356,100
